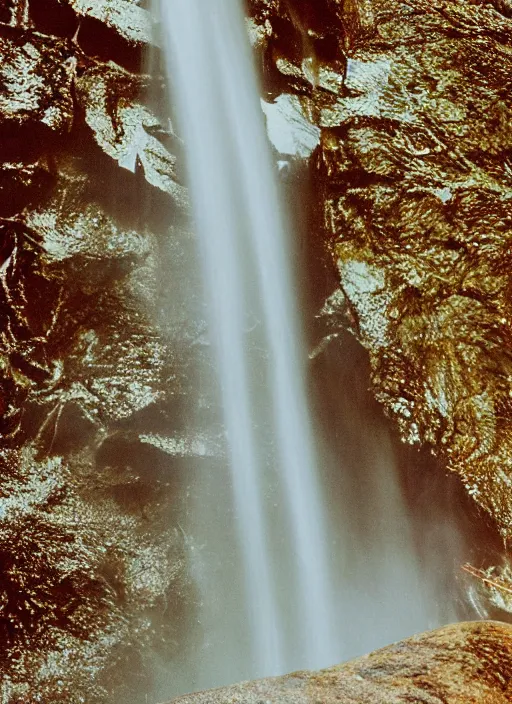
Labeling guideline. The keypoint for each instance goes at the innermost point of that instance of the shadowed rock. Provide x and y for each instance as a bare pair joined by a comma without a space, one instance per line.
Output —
460,664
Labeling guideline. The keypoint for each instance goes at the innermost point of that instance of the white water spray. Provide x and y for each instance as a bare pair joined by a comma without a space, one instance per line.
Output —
247,275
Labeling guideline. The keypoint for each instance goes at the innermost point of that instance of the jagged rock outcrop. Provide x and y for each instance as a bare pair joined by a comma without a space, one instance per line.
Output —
468,662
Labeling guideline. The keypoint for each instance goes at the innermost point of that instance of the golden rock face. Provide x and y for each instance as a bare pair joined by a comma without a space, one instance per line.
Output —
92,571
414,176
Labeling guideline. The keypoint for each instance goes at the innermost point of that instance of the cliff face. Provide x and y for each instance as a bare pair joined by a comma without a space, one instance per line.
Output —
414,180
412,103
92,572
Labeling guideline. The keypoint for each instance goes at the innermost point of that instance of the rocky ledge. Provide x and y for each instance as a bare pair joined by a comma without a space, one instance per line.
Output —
461,664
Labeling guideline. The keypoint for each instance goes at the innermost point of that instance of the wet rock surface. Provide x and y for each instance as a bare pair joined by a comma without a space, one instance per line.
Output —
127,17
413,179
467,662
93,576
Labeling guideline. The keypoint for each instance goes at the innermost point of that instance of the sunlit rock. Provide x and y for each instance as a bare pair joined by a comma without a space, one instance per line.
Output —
468,662
415,182
23,183
36,74
86,595
288,129
127,17
124,128
88,555
70,224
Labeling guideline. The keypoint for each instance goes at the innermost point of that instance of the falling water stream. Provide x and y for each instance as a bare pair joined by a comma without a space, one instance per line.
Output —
247,270
271,595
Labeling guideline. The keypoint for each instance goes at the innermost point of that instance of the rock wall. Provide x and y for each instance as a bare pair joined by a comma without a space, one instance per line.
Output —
92,571
414,181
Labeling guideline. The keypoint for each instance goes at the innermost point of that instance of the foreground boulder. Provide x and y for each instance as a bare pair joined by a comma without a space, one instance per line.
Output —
461,664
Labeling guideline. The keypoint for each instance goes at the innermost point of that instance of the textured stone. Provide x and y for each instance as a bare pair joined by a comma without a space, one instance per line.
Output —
414,179
468,663
36,75
72,224
88,557
78,355
124,128
131,21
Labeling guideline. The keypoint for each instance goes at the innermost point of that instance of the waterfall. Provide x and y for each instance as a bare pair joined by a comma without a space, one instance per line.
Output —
287,579
254,328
